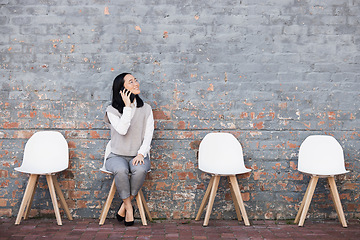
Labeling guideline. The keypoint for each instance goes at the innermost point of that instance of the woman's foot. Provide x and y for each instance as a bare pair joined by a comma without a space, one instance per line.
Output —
120,215
129,216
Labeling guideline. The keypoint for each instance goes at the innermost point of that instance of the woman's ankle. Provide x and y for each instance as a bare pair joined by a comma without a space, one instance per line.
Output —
122,210
129,216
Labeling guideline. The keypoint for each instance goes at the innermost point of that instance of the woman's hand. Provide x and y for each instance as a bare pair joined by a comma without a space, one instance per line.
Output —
139,159
125,95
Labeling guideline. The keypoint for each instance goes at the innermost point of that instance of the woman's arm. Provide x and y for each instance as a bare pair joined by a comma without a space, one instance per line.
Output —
120,124
145,146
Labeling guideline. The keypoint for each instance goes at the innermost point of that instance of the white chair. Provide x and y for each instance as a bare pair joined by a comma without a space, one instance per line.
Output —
321,156
220,154
140,199
45,153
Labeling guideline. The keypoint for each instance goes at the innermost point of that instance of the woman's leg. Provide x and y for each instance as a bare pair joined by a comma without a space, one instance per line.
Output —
121,211
129,215
119,166
138,175
137,178
127,188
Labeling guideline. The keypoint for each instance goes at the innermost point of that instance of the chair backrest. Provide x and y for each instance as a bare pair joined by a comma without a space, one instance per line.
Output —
45,152
321,155
107,152
221,153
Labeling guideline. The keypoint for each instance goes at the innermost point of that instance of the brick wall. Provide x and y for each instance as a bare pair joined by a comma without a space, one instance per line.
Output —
271,72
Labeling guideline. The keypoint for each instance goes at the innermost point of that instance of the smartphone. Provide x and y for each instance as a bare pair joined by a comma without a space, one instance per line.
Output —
132,96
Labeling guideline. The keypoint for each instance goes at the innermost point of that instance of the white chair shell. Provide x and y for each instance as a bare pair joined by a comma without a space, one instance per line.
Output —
107,153
221,153
45,152
321,155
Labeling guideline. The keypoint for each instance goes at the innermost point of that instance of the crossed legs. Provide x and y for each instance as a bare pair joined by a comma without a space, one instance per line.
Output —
129,179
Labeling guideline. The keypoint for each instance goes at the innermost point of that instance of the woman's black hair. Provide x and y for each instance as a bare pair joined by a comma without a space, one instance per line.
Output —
117,101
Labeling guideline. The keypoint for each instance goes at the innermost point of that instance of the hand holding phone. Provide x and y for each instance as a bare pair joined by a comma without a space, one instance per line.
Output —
125,95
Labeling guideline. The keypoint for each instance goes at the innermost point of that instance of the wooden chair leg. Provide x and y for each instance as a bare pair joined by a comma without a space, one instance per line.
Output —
333,199
147,211
141,209
312,185
237,209
205,199
27,195
61,197
28,206
336,199
107,204
297,219
236,189
53,198
211,199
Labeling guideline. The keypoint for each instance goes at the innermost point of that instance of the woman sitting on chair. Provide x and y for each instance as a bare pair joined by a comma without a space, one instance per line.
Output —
132,126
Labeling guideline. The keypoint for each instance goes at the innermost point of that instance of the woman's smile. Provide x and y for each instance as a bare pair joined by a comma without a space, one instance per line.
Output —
131,84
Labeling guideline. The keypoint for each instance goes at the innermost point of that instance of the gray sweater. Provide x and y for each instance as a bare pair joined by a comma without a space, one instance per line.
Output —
129,144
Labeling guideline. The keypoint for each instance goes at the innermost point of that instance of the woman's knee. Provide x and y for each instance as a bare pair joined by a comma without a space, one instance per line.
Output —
121,171
140,171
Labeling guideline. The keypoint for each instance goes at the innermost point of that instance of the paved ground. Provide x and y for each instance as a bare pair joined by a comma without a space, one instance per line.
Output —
176,229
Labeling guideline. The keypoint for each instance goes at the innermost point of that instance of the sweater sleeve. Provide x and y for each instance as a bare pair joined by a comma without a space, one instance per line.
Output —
145,146
120,124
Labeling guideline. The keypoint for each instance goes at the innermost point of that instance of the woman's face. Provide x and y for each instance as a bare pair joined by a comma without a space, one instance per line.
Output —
131,84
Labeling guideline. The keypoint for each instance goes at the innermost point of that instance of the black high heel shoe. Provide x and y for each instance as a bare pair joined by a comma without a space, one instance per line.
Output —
131,222
127,224
119,218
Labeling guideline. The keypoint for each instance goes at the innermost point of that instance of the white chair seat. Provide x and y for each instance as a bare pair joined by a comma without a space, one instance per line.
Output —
40,171
324,174
103,169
